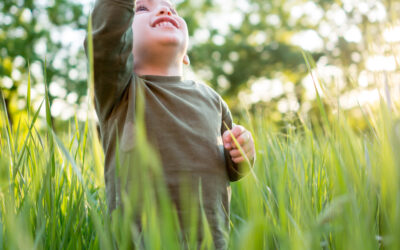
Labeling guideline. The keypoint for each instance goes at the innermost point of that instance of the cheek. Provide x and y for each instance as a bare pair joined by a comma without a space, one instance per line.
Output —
140,25
186,36
137,28
185,33
184,27
139,34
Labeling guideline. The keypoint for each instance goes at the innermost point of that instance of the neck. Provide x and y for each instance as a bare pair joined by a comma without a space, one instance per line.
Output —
157,65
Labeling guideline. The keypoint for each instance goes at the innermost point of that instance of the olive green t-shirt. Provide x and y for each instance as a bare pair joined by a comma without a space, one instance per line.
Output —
184,118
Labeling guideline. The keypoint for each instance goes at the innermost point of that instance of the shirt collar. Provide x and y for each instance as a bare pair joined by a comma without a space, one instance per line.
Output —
162,79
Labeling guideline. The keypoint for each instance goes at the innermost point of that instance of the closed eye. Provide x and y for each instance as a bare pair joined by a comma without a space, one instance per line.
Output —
141,8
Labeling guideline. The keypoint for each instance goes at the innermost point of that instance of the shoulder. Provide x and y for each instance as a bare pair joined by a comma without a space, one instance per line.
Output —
223,106
206,90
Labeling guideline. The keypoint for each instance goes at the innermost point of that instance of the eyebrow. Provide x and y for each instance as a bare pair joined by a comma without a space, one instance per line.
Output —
152,1
169,4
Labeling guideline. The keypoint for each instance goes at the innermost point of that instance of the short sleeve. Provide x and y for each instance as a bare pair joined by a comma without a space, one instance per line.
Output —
235,171
112,52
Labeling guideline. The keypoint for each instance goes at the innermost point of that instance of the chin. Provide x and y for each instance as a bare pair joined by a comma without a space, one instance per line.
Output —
170,38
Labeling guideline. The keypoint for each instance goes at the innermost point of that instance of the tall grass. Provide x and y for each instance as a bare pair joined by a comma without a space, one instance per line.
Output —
316,186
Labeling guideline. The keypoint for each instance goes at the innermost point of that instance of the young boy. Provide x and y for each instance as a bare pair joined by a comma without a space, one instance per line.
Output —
145,43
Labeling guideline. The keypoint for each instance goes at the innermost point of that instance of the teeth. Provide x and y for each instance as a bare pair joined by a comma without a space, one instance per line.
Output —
164,24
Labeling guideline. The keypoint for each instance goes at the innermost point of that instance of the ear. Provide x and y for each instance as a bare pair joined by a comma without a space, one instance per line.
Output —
186,60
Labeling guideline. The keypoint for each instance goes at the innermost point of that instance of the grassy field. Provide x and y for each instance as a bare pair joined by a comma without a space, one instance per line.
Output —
317,186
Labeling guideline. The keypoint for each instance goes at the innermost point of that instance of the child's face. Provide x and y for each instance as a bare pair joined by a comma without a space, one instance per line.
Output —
158,27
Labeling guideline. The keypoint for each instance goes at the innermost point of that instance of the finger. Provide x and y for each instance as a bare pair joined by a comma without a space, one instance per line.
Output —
238,159
227,134
238,130
228,145
236,152
244,139
226,137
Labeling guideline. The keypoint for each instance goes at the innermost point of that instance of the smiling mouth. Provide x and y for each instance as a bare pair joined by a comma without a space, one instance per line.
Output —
165,22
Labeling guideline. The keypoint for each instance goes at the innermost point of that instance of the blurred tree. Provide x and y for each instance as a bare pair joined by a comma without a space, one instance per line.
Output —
255,44
30,33
234,45
237,43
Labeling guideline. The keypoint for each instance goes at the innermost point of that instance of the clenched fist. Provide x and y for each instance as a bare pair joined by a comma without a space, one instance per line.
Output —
245,140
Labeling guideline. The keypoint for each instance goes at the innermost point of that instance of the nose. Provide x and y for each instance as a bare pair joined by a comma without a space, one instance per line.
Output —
164,10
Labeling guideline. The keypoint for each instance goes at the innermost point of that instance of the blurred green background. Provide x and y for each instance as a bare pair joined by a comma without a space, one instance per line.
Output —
250,51
326,129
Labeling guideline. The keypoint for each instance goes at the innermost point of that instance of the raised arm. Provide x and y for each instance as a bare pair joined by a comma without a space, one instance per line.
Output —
112,52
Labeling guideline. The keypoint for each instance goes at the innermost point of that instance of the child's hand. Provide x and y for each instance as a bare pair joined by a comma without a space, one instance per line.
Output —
245,140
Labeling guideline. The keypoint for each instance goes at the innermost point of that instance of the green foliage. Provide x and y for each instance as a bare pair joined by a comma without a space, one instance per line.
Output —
243,42
30,32
241,57
320,185
256,42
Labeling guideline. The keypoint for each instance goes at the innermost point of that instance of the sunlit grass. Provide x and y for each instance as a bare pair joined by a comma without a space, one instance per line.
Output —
318,185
